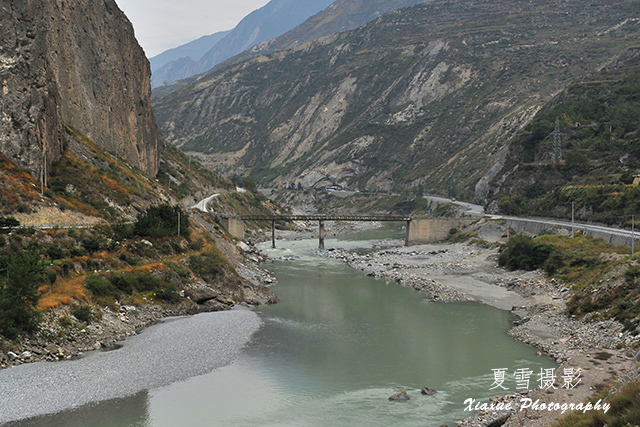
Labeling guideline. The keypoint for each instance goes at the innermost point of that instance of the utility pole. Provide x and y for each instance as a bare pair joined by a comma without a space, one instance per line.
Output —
633,234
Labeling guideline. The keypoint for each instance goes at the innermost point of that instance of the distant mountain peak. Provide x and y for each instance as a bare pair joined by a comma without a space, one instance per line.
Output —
271,20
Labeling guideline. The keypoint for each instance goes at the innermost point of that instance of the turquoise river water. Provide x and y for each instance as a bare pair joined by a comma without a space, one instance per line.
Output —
331,353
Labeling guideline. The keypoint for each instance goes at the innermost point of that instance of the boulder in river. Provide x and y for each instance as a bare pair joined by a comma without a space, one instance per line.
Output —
401,395
427,391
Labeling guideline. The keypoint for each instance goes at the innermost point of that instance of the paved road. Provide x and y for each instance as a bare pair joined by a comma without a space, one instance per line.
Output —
471,209
202,204
578,226
477,210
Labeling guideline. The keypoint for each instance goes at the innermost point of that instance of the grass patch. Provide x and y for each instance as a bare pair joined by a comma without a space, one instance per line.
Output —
608,284
624,412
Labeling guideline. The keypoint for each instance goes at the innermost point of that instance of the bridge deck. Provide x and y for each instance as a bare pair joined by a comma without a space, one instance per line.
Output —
326,218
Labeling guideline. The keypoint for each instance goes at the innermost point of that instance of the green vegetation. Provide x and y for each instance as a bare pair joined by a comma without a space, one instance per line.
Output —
624,411
599,124
8,223
457,236
19,294
605,284
83,313
162,221
87,269
208,265
522,252
128,283
99,286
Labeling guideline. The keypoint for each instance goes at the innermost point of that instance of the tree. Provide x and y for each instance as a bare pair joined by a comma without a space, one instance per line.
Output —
162,221
8,223
19,295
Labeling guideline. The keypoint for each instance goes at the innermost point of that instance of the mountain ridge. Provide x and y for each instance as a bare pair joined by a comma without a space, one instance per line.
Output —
424,96
194,49
271,20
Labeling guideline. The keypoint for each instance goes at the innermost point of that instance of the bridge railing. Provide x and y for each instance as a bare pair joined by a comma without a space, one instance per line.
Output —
325,218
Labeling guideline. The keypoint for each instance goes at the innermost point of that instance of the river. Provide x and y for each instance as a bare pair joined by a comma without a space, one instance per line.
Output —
331,353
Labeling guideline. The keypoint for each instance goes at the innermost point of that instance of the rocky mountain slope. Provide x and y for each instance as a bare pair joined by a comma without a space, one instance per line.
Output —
598,131
342,15
427,95
77,64
271,20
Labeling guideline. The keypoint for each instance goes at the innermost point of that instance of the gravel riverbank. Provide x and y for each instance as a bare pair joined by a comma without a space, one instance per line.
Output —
161,355
460,272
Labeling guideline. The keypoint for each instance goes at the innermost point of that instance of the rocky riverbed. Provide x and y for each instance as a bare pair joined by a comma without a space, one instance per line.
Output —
602,351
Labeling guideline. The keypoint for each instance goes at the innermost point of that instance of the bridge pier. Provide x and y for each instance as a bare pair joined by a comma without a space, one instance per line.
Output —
273,234
321,234
406,239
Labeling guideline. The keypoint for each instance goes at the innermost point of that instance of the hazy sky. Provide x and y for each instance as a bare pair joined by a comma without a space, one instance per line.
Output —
163,24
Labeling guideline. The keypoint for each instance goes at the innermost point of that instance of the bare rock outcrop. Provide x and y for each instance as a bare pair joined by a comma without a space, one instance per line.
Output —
75,63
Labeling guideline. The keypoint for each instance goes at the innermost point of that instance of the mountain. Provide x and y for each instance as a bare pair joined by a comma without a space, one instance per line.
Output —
598,136
342,15
193,50
75,64
271,20
423,97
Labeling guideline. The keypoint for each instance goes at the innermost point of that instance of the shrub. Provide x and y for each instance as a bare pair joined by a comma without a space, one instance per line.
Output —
168,294
52,277
19,296
523,253
65,321
55,252
196,245
93,244
130,283
162,221
83,313
8,223
98,286
208,265
178,268
121,230
130,259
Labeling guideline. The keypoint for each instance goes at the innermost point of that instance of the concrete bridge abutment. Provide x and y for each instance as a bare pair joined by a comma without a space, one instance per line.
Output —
431,230
235,227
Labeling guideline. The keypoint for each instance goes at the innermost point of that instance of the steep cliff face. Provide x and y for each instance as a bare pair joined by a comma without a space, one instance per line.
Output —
427,95
76,63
